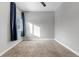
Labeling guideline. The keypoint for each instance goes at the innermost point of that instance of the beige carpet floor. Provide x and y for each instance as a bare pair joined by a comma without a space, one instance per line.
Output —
41,48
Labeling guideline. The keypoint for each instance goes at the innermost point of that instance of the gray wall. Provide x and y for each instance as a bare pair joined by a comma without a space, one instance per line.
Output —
67,25
45,20
5,42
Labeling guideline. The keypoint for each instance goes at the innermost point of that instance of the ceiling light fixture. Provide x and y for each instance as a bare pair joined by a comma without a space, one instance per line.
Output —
43,3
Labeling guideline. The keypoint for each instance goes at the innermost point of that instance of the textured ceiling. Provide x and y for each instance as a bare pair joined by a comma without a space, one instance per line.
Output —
37,6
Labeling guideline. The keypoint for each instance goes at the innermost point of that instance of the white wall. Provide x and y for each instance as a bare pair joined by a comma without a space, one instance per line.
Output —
67,25
45,20
5,42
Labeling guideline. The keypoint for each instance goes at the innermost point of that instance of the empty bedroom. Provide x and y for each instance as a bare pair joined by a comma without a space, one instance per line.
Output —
39,29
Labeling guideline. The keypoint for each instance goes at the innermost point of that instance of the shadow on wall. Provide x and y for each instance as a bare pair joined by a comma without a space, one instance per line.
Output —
34,30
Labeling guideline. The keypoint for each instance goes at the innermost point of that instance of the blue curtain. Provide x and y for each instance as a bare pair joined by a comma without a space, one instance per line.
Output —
23,20
13,29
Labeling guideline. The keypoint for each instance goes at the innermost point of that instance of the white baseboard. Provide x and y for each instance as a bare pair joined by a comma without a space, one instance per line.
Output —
34,39
67,47
10,48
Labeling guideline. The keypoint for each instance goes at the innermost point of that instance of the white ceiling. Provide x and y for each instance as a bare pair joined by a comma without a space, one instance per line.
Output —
37,6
